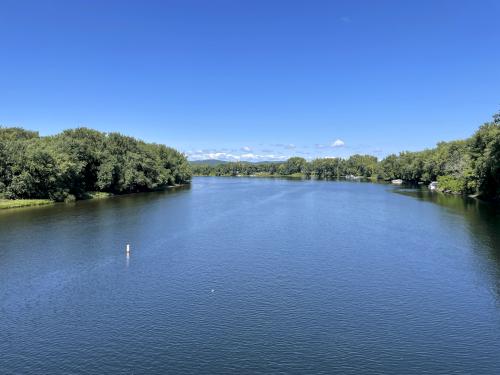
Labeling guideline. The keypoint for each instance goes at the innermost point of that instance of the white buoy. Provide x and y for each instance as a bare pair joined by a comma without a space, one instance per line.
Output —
128,249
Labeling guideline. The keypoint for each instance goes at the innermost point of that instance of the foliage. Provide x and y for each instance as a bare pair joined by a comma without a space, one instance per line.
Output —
451,184
292,166
66,166
485,157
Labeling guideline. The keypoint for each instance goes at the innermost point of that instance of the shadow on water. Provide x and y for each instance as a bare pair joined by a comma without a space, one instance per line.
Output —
482,218
11,218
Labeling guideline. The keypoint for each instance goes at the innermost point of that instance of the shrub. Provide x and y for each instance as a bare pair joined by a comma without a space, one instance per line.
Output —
452,184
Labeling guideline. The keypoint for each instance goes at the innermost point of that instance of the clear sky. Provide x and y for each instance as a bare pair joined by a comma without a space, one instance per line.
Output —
255,79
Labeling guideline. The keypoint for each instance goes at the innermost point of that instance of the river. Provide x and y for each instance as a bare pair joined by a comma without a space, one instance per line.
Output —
253,275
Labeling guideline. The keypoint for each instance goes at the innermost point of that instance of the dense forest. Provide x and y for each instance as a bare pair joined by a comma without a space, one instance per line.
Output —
470,166
72,164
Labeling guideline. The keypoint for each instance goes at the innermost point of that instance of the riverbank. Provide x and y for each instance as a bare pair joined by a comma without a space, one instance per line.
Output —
259,174
18,203
21,203
297,175
92,195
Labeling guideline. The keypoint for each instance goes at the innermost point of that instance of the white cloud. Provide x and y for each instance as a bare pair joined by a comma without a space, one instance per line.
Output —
232,156
211,154
338,143
246,148
248,156
263,157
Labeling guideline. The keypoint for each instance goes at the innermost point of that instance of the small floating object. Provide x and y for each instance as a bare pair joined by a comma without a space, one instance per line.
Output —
213,290
128,249
397,182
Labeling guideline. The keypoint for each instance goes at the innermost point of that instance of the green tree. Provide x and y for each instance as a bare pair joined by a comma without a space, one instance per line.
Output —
485,158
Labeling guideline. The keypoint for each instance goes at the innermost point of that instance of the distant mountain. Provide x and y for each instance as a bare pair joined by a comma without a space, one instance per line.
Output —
213,162
270,162
207,162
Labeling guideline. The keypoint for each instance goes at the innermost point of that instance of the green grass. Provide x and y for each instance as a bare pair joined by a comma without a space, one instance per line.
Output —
16,203
298,174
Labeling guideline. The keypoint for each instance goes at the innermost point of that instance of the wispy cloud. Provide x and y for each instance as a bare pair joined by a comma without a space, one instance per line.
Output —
286,146
345,19
246,148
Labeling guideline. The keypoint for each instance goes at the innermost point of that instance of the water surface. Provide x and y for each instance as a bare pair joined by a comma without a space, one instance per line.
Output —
253,275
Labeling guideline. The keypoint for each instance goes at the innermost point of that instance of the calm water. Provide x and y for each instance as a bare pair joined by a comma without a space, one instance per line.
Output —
242,275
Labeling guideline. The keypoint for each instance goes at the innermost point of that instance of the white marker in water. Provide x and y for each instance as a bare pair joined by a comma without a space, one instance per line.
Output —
213,290
128,249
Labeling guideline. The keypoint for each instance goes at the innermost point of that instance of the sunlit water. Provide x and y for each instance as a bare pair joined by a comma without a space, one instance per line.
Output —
249,275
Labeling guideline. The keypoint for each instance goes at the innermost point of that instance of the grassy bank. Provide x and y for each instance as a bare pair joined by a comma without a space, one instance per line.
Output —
17,203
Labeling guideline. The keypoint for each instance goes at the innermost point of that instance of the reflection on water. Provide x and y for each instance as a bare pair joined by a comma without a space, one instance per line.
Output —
482,218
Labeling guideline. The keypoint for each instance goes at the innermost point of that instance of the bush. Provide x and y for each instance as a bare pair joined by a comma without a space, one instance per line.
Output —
452,184
70,198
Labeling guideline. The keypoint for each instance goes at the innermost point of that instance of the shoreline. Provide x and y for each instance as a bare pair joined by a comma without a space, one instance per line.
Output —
10,204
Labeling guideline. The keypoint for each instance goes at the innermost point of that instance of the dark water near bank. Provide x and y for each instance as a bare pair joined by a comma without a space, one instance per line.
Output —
242,275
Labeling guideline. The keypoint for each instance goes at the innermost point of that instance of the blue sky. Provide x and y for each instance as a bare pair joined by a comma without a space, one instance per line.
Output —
253,79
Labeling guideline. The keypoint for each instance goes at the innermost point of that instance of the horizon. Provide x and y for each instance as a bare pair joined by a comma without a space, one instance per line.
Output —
255,81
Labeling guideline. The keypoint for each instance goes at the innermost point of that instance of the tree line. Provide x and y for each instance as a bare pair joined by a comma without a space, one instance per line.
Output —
470,166
71,164
356,165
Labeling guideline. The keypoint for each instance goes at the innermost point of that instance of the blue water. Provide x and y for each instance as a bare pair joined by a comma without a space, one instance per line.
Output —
253,275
